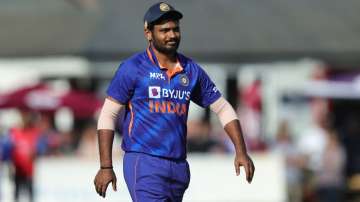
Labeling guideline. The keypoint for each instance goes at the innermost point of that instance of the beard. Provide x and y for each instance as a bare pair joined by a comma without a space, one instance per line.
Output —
166,48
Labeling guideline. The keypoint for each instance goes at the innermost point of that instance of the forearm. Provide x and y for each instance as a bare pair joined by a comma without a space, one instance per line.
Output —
230,122
106,127
105,139
106,174
233,129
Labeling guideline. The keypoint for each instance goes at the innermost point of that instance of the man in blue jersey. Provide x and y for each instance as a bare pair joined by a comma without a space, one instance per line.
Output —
155,88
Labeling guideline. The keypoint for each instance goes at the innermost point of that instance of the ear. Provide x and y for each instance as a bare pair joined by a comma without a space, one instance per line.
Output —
147,34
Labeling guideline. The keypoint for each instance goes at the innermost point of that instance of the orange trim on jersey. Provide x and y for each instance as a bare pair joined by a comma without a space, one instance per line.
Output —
178,68
150,56
131,119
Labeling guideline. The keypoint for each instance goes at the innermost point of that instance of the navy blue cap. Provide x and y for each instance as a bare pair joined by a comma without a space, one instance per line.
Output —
159,10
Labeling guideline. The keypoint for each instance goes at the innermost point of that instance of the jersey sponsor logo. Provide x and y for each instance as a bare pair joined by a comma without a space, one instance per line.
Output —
154,91
158,92
167,107
156,75
176,94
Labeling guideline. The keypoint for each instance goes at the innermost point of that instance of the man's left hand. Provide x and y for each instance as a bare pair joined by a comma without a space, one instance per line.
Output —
244,160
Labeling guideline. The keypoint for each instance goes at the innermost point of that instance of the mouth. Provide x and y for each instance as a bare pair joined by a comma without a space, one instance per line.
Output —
172,43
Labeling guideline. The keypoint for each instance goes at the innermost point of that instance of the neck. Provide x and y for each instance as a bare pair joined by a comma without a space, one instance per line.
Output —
165,58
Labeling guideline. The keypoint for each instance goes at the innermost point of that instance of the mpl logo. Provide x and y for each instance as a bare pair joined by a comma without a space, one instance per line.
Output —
154,91
156,75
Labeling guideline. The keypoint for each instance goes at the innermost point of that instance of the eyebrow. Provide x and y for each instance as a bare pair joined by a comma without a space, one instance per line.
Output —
177,27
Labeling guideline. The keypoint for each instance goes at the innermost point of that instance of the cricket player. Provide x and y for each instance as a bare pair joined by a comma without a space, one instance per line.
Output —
155,88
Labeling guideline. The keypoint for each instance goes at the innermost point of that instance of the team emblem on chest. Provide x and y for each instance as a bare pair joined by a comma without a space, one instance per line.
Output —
184,80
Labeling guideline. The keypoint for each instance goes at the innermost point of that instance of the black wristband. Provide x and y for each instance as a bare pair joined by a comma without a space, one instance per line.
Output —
106,167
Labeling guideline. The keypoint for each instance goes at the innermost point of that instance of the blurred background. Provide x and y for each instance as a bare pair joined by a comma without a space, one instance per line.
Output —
289,68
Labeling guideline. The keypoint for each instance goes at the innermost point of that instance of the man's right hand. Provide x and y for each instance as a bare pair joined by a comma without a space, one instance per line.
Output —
102,180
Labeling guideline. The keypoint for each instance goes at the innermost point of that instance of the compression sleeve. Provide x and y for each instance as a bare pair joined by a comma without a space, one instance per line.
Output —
223,110
108,115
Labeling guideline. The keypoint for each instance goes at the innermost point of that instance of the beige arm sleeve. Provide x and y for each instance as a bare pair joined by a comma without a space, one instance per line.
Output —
109,112
223,110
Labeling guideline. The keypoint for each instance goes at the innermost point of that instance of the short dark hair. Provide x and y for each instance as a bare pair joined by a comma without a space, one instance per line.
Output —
163,18
151,26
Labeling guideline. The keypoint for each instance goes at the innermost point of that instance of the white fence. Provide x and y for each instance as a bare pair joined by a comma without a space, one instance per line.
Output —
213,179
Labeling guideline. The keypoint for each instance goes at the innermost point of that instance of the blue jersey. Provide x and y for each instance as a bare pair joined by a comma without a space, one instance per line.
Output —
157,102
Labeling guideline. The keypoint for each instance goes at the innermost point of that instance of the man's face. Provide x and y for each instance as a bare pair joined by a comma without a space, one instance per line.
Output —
165,36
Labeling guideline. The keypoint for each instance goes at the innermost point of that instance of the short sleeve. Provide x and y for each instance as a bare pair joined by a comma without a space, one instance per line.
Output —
122,85
205,92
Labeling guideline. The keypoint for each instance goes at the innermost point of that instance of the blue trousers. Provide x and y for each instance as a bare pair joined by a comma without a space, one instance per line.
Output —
155,179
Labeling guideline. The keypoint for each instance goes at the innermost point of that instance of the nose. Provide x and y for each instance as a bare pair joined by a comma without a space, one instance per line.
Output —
172,34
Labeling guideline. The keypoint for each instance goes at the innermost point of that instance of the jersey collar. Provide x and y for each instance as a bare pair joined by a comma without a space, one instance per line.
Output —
150,53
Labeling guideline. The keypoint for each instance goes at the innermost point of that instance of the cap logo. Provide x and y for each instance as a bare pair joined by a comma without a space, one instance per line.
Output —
164,7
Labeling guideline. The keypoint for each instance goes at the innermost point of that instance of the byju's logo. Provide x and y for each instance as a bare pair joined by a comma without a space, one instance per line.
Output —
155,75
154,91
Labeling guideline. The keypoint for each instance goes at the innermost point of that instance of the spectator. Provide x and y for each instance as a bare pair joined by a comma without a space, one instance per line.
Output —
24,148
5,155
323,157
311,146
284,145
251,115
330,178
50,140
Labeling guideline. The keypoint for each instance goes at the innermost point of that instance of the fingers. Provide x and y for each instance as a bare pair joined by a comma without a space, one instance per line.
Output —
98,189
102,180
248,166
114,184
247,171
103,189
251,168
237,168
101,186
